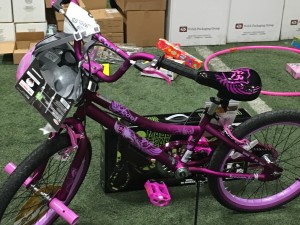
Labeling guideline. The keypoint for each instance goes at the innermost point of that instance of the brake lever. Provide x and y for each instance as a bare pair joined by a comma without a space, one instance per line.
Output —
150,70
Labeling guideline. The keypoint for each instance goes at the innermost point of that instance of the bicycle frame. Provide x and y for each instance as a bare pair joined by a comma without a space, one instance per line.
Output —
91,109
197,132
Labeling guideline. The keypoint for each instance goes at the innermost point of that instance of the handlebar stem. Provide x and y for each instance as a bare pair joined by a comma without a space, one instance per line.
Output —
127,58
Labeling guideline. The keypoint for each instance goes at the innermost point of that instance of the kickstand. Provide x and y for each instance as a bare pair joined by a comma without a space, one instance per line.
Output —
197,201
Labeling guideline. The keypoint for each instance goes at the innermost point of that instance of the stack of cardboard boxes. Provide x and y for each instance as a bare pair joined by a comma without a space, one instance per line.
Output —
7,27
111,24
22,23
290,25
144,20
109,20
29,16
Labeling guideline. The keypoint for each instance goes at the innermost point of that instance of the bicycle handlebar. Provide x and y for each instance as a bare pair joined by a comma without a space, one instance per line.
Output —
178,68
163,62
127,58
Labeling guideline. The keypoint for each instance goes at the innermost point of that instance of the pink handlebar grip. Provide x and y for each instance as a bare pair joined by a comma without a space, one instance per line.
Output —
61,209
158,193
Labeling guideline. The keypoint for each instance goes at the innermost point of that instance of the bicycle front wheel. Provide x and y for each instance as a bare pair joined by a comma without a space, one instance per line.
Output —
63,170
278,136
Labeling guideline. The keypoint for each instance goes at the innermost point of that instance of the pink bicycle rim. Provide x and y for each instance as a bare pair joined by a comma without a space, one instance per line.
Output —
230,50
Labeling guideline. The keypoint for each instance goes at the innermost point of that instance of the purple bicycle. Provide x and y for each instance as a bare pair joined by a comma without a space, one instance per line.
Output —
255,166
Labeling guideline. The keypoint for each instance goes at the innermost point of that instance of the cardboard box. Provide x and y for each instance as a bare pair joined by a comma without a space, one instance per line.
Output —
23,42
142,5
7,32
114,37
256,20
293,69
31,27
29,11
125,168
198,26
60,25
144,28
6,15
109,20
7,47
48,3
290,25
93,4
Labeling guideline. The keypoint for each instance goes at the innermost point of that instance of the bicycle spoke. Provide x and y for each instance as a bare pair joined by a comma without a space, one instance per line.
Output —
256,191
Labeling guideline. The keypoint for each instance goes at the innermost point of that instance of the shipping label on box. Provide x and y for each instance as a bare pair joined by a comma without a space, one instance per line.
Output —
26,11
256,20
141,5
290,26
7,32
204,22
6,15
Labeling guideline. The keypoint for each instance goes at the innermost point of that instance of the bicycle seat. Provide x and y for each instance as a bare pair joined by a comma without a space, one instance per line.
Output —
242,84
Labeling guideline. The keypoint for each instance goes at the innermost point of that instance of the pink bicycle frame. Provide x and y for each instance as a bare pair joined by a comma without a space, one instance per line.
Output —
92,111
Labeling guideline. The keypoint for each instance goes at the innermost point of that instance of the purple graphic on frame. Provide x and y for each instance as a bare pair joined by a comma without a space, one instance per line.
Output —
238,82
122,111
184,131
139,142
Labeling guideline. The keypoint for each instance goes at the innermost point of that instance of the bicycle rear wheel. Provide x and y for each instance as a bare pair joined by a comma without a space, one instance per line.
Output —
278,134
63,174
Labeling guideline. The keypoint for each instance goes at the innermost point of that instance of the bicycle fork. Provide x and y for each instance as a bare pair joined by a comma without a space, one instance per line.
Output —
55,204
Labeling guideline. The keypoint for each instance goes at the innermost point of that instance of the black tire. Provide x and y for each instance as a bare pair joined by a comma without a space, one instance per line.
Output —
278,134
48,154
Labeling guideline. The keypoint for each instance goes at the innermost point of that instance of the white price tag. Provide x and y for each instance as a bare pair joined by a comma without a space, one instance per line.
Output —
82,20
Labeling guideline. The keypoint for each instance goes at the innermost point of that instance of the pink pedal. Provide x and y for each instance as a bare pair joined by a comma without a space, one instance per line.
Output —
158,193
10,168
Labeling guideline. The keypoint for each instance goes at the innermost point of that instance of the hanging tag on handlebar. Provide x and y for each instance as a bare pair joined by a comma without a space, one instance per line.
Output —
82,20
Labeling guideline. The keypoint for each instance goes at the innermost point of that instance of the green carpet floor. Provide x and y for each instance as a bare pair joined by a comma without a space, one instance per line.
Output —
19,134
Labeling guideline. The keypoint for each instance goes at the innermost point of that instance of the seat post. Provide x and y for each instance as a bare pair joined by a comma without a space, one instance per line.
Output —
215,102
